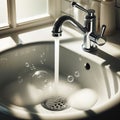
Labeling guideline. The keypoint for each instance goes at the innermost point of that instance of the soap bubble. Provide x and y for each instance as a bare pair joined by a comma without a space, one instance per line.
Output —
43,58
70,78
27,64
40,78
42,55
32,67
40,74
77,74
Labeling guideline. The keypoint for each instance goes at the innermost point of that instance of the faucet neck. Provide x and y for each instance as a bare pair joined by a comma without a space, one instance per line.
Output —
90,23
57,27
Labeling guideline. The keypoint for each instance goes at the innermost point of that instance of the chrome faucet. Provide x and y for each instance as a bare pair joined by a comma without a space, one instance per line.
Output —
91,38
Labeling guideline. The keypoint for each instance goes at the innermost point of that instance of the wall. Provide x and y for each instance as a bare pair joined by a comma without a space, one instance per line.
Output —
68,9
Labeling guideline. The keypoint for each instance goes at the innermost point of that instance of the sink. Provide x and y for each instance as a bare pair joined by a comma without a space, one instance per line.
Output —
27,85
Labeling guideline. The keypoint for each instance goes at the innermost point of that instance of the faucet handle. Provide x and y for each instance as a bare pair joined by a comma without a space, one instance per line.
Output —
90,12
101,39
74,4
103,30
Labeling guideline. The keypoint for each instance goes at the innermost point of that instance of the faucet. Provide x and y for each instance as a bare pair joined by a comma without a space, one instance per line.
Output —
91,38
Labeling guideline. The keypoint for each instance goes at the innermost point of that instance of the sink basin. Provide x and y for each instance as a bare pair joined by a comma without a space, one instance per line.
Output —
27,85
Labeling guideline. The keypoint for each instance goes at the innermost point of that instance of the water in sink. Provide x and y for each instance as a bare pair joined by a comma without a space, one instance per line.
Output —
33,87
37,84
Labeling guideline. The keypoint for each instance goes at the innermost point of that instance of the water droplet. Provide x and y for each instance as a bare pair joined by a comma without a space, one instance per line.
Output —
70,78
20,79
42,55
77,74
27,64
32,67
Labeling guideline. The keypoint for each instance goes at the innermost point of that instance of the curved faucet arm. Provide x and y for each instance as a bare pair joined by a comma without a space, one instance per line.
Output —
57,27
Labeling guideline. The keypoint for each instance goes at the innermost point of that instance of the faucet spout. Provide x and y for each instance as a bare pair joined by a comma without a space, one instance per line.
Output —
57,27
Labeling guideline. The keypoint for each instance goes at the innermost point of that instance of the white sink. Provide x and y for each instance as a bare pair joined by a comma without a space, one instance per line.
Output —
27,77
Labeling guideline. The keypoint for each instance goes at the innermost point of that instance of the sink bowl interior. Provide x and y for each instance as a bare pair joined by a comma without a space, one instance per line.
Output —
27,79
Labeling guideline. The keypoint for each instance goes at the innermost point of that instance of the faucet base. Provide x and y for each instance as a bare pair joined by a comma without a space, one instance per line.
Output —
91,49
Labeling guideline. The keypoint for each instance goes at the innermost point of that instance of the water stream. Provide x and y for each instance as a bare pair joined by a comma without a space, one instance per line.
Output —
56,58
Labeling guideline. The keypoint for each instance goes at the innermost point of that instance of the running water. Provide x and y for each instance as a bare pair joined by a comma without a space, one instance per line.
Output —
56,58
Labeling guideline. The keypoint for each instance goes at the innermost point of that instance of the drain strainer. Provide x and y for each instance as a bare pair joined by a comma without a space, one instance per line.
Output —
55,104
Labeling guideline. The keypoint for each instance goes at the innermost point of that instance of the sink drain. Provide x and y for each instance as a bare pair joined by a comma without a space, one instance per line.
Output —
55,104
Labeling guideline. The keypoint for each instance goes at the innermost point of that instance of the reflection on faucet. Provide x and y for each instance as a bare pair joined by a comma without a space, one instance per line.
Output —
89,30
